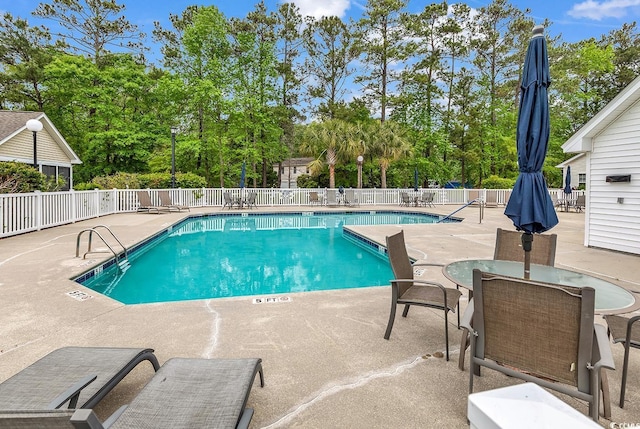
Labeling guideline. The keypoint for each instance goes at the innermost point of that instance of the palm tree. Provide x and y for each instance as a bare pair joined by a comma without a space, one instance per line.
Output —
388,143
329,138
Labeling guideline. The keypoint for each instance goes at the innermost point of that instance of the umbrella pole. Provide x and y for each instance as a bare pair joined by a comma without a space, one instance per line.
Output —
527,243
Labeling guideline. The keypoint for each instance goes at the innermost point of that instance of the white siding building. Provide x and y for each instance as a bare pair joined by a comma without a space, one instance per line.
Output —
611,144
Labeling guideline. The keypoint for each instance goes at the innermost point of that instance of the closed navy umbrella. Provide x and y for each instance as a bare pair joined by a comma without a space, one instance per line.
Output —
416,179
243,174
530,206
567,181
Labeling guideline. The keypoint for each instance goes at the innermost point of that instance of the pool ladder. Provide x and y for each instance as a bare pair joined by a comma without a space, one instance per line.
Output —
123,263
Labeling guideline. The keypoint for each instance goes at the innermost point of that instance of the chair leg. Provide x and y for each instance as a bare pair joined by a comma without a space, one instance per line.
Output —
625,367
406,310
446,331
606,398
464,343
392,317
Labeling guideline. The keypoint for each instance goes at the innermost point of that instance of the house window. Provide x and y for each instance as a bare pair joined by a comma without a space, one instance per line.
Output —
582,178
57,173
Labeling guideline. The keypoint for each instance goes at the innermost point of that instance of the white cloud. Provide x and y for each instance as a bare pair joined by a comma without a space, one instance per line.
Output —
320,8
601,10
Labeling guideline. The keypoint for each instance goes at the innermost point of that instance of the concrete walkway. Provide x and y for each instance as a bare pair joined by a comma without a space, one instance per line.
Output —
325,360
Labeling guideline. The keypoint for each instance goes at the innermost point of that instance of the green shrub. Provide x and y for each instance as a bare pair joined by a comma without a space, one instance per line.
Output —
495,182
118,181
18,177
143,181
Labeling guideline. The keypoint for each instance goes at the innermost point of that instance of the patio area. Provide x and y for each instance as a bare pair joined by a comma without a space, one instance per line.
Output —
325,360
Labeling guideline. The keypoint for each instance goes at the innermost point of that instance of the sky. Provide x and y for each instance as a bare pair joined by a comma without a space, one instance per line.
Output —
572,20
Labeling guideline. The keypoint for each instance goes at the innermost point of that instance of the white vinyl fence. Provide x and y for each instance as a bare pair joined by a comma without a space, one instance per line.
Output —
20,213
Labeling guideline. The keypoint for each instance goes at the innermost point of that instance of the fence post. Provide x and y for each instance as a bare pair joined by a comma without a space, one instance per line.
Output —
73,206
38,210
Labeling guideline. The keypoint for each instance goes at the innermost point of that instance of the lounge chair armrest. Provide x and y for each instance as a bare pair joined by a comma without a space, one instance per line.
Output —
602,355
419,282
71,394
85,418
467,317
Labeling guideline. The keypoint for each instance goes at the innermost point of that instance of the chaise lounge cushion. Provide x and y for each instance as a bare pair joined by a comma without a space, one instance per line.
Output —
193,393
37,385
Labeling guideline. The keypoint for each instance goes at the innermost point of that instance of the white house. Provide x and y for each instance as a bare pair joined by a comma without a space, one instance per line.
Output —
53,154
291,169
578,166
611,144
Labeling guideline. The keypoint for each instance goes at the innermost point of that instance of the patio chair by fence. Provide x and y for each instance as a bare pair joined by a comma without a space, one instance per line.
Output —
185,393
405,200
624,330
539,332
251,200
166,201
407,290
314,198
579,203
332,200
491,198
146,205
230,201
350,198
426,199
36,386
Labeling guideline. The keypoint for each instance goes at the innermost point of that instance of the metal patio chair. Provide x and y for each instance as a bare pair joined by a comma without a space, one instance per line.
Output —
407,290
625,330
539,332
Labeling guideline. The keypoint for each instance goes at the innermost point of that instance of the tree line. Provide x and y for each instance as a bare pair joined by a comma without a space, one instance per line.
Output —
434,91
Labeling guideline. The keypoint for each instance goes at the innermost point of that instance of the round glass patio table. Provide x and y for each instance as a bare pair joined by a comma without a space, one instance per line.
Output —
610,298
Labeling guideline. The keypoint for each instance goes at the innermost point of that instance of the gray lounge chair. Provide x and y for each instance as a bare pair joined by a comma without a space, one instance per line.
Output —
426,199
539,332
332,200
350,198
314,198
146,205
230,201
185,393
251,200
166,201
36,386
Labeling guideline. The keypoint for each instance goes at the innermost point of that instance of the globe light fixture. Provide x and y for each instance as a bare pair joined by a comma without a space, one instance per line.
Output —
34,126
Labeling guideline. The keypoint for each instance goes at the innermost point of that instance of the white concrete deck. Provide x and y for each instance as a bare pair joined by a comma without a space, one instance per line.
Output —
325,360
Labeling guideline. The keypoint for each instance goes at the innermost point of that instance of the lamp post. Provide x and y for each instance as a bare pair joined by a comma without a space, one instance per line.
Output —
359,160
174,130
34,126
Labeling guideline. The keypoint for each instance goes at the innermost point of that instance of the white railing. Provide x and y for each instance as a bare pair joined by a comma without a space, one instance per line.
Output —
20,213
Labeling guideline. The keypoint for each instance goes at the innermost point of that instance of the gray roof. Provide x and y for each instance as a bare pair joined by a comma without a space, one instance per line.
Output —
12,121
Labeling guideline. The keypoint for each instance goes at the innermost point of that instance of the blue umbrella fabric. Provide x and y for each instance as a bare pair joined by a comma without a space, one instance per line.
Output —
243,174
567,181
530,206
416,178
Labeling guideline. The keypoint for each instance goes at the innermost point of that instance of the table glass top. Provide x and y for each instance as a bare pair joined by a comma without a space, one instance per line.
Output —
609,297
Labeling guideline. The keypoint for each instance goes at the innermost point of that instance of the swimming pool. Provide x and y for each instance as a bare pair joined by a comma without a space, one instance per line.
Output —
214,256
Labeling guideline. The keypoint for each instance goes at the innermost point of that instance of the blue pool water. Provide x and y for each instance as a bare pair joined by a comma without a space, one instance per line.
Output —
237,255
